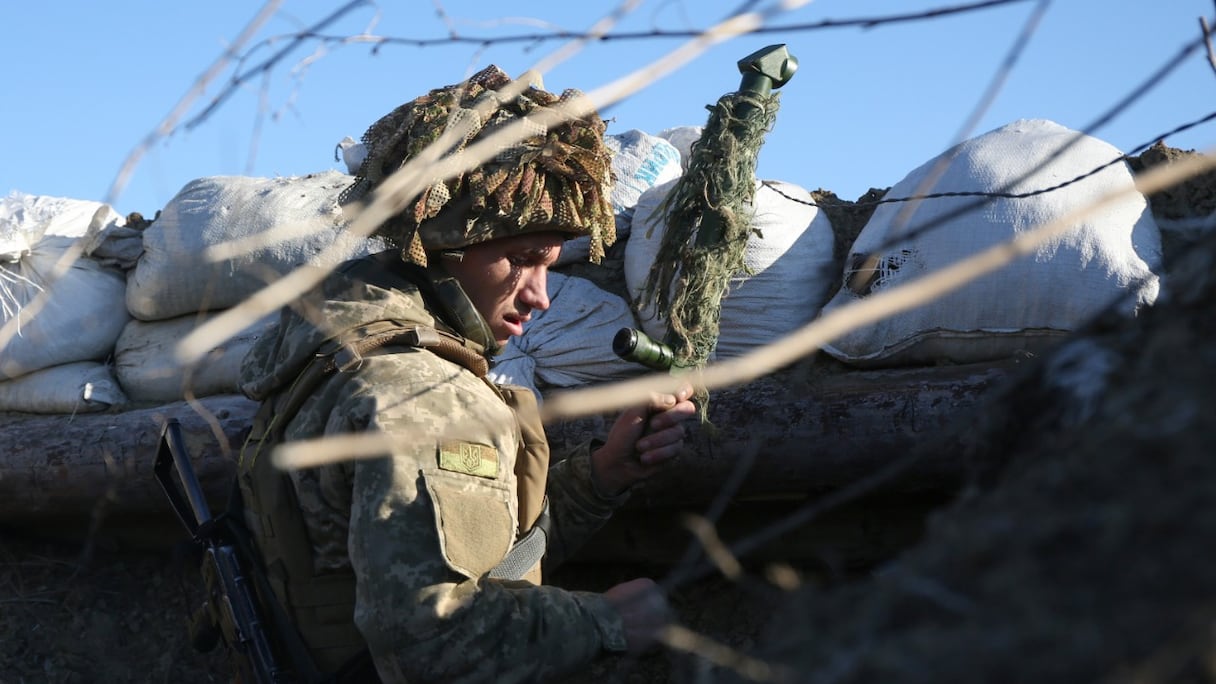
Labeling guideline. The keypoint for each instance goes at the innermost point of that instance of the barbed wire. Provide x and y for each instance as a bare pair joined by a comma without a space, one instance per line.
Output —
1006,190
240,77
378,42
1126,157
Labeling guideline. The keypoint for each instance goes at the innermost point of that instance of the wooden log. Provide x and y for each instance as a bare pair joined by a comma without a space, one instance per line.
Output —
795,433
77,469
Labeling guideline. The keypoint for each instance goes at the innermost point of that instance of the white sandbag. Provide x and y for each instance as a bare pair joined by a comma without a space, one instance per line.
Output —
682,137
639,162
81,387
570,343
222,238
1107,257
26,218
789,257
148,369
83,310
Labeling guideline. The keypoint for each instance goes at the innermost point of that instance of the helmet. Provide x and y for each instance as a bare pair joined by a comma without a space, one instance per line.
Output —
557,179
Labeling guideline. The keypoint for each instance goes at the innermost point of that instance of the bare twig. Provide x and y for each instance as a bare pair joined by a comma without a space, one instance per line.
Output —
445,18
656,34
596,32
269,63
839,322
981,107
397,190
717,552
1207,39
683,639
75,251
1137,93
169,123
725,494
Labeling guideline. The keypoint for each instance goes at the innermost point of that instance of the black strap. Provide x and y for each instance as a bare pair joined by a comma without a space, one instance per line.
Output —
527,552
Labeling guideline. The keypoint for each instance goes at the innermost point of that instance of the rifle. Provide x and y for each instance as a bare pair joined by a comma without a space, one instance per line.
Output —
231,609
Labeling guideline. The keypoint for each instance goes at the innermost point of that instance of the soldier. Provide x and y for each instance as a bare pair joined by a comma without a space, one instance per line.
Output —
424,554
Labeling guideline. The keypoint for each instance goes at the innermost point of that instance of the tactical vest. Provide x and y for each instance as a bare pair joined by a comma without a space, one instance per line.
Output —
321,606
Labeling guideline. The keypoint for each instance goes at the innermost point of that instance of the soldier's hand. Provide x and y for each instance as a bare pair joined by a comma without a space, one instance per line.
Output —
642,439
643,609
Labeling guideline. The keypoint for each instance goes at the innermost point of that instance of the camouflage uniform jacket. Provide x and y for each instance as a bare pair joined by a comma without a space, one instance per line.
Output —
419,529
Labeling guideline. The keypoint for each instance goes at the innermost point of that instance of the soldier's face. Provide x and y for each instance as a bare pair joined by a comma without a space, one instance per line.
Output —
505,279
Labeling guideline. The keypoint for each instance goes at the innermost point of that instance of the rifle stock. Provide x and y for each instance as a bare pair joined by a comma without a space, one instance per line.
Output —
231,607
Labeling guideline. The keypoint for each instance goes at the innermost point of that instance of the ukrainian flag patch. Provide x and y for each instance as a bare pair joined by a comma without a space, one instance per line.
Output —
469,458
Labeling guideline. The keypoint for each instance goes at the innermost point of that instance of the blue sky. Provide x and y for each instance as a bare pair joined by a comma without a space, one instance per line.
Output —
87,82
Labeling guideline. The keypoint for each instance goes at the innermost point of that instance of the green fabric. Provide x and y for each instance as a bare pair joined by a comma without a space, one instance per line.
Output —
708,219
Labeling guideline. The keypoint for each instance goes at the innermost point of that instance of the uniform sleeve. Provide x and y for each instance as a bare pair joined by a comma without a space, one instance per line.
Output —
577,508
418,538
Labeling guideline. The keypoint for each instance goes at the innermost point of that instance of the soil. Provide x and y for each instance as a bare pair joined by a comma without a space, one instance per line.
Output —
71,613
1077,552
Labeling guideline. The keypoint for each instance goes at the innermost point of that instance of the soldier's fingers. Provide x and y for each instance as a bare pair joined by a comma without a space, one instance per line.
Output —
657,455
673,415
685,392
668,436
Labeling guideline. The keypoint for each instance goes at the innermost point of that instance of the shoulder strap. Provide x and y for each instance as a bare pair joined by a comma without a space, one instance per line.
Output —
346,353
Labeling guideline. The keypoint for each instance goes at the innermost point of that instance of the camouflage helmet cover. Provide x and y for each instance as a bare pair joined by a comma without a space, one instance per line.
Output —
557,179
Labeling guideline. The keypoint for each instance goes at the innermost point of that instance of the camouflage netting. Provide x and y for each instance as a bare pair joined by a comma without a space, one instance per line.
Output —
557,179
692,270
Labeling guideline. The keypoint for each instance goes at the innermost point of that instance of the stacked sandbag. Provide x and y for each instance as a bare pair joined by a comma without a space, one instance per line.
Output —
1107,258
222,238
147,365
639,162
216,243
570,343
788,259
60,309
68,388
